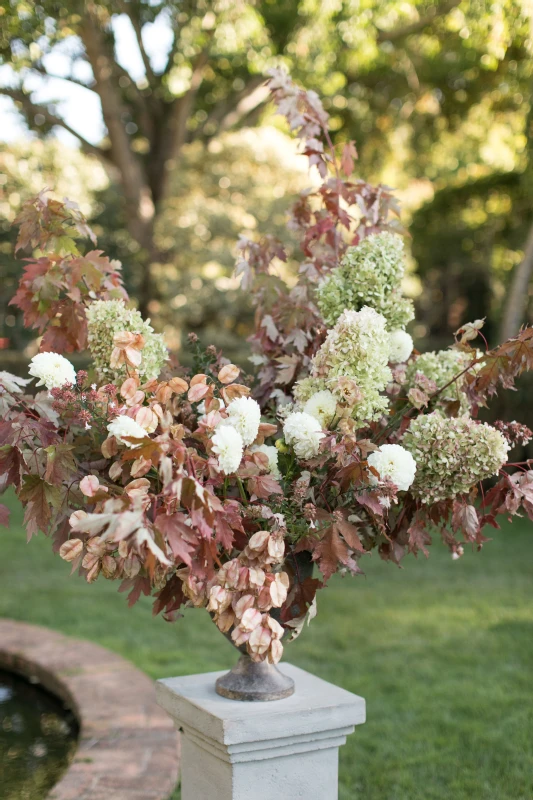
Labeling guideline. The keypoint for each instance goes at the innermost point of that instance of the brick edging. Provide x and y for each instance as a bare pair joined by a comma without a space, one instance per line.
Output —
128,748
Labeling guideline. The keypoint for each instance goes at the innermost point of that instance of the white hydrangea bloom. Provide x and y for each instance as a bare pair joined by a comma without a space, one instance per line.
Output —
354,354
228,446
304,433
105,318
125,426
401,346
394,462
322,406
272,453
244,415
443,366
52,369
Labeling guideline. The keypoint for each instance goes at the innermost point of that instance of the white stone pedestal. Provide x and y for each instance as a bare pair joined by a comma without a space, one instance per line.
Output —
280,750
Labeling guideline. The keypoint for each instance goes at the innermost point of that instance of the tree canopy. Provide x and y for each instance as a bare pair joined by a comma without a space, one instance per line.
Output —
435,92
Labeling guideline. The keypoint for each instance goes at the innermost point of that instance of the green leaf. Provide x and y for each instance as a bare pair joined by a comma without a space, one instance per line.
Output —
66,246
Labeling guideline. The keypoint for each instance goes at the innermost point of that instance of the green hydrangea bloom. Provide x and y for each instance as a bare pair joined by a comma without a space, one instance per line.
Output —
452,455
370,274
352,361
442,366
105,318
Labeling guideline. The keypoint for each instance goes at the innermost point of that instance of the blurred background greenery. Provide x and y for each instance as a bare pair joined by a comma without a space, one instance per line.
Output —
153,116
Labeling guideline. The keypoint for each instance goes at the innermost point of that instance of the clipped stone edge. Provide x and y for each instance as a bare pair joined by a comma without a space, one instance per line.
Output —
115,706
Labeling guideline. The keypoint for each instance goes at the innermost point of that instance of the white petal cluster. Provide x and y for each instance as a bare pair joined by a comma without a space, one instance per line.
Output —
322,406
52,370
272,454
394,462
228,446
125,426
401,346
304,433
244,415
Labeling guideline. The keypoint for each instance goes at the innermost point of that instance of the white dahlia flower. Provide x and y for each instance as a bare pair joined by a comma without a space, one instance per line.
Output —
125,426
394,462
244,415
322,406
272,454
304,433
401,346
52,369
228,446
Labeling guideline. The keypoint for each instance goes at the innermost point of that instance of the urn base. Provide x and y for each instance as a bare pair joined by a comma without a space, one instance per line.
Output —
254,683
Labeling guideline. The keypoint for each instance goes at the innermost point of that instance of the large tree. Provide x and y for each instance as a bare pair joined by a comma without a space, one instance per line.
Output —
419,84
212,80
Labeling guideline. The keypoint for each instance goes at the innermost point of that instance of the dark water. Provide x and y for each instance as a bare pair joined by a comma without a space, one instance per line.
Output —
38,738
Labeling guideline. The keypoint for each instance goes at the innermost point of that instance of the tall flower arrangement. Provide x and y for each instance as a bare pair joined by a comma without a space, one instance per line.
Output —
201,487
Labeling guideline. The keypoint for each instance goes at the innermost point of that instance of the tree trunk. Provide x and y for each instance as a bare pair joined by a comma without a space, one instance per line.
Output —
517,296
140,207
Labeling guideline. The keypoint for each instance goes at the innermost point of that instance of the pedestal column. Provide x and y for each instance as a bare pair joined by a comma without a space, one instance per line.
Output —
275,750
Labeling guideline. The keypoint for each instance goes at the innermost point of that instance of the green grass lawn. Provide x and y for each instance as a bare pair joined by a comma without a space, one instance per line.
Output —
441,650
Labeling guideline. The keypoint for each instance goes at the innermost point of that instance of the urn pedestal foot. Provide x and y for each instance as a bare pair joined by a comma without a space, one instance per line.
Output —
233,750
254,682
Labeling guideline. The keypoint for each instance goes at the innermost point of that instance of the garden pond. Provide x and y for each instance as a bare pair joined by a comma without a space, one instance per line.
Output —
38,738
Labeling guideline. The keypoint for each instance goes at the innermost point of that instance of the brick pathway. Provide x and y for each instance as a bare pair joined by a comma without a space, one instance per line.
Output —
128,748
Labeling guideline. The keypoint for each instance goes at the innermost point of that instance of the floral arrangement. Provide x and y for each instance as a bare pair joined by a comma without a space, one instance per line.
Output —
214,489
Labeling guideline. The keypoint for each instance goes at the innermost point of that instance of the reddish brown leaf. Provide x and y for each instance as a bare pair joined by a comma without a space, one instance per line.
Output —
287,371
224,532
169,599
349,534
329,552
418,537
149,449
139,585
351,474
11,464
300,597
263,487
371,501
60,464
60,535
465,519
349,154
40,498
179,536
